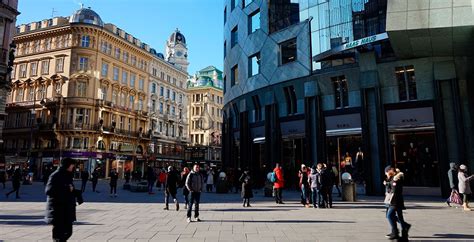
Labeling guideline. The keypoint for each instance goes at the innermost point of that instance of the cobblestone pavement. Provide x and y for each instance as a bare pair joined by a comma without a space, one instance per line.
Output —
140,217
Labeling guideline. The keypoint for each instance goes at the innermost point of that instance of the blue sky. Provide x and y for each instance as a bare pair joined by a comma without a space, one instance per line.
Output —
152,21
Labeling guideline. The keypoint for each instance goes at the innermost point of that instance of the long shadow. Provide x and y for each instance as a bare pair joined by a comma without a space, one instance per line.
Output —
278,221
247,210
20,217
37,223
445,236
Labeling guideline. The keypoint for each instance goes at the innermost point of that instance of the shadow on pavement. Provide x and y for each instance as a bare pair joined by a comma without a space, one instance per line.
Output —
247,210
278,221
445,236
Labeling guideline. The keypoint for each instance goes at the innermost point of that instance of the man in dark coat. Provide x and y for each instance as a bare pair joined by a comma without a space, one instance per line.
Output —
16,181
84,178
171,187
113,183
95,179
61,200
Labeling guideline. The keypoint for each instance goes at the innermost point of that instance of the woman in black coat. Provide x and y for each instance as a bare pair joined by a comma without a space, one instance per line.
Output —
61,200
395,202
247,193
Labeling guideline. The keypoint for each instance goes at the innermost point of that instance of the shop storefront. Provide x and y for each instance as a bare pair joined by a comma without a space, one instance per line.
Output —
344,143
120,163
293,145
413,144
257,135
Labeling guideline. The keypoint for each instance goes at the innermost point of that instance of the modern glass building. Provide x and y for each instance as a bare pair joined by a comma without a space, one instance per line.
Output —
357,84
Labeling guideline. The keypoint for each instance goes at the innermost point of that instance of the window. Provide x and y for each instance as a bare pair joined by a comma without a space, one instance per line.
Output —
31,94
234,37
122,122
406,83
124,77
225,49
134,60
167,93
288,51
153,88
109,49
19,95
103,93
85,40
173,110
47,44
129,124
83,63
133,76
162,91
57,87
41,92
141,84
290,96
105,69
225,84
140,104
103,47
233,4
225,15
254,21
36,46
22,70
114,97
180,99
76,143
162,76
33,68
60,64
116,73
173,96
161,107
81,89
234,76
286,13
122,99
45,67
341,95
153,106
132,102
125,57
254,65
117,53
245,3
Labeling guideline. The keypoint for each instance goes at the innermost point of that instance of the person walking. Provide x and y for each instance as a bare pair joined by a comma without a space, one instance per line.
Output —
247,192
61,200
330,182
184,175
195,184
395,202
304,185
151,178
95,179
209,180
46,173
127,176
453,180
171,187
315,183
16,180
3,178
84,178
162,178
278,183
464,186
113,183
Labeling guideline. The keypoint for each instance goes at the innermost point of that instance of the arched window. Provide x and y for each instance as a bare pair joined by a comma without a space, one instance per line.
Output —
139,149
101,145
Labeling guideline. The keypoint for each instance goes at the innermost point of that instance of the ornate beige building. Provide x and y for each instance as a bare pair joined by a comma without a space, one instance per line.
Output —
81,89
205,116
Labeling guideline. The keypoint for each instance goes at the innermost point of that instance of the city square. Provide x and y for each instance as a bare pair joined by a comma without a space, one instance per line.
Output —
140,217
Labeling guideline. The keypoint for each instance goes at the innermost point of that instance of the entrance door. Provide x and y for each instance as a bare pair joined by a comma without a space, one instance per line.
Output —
292,158
414,153
346,154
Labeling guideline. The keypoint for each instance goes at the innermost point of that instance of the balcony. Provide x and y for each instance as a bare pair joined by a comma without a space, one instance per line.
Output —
77,126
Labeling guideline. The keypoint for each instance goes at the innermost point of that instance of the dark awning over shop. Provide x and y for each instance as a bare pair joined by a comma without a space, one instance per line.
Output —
345,124
410,119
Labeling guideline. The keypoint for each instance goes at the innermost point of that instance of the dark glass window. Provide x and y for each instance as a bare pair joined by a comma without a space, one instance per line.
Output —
225,48
406,83
234,37
254,21
225,84
233,4
254,64
340,91
290,96
282,13
225,15
258,108
234,76
288,51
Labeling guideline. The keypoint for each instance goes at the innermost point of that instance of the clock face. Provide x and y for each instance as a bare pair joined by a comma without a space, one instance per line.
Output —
179,53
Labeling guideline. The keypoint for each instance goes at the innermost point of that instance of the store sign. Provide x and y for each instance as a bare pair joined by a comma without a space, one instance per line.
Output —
72,154
346,124
412,117
293,128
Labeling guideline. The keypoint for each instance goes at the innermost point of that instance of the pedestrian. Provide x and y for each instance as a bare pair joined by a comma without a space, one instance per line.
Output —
337,183
151,178
464,186
16,180
127,176
46,173
453,180
195,184
95,179
162,178
329,184
3,178
304,185
171,187
210,180
395,203
235,179
113,183
184,175
278,183
325,180
315,183
247,192
61,200
84,178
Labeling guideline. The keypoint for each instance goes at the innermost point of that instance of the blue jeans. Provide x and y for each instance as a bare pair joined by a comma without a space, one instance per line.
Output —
395,214
304,195
314,196
195,198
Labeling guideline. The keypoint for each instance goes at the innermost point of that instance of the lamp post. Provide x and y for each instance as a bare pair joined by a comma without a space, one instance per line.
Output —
33,116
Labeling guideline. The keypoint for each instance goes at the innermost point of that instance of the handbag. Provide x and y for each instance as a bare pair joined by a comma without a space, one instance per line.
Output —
455,197
388,198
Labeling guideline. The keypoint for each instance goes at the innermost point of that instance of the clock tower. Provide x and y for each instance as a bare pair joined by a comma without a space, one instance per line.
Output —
177,51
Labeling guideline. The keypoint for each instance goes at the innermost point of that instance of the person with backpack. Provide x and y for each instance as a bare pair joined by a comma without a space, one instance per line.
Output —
278,183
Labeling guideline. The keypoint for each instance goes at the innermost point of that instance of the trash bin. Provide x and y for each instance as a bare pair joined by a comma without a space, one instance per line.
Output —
348,188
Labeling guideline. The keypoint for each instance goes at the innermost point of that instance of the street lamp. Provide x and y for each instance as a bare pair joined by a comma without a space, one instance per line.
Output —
33,116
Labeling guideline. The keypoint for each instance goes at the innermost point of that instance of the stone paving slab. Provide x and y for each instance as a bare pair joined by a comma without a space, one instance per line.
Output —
140,217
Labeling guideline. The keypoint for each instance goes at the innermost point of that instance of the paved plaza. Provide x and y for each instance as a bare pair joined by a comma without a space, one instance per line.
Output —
140,217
